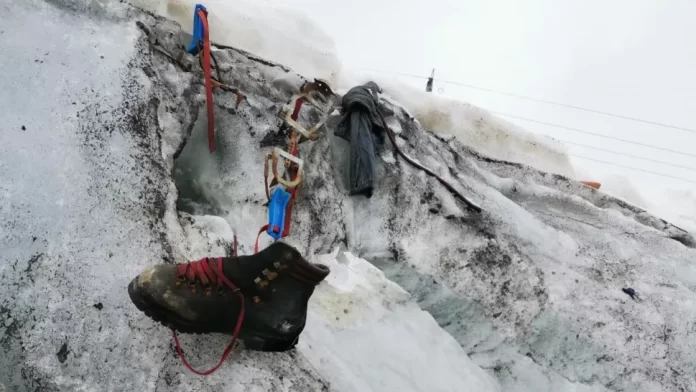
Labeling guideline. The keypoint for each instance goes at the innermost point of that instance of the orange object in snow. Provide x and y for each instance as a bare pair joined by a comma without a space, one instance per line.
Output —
594,185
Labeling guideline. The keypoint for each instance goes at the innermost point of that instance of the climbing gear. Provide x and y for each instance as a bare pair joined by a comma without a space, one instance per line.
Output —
278,201
290,159
318,94
281,200
201,44
240,97
429,172
200,25
309,134
276,212
260,299
201,34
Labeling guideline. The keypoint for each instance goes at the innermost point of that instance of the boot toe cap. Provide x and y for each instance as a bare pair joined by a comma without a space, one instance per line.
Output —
150,287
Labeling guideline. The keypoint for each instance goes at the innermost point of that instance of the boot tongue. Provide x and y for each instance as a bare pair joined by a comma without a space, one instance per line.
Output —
243,270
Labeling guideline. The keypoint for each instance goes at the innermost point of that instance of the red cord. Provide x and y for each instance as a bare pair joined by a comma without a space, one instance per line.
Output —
208,80
202,270
298,106
258,236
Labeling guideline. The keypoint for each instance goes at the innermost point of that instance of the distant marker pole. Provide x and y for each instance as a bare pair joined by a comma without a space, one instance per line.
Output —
429,85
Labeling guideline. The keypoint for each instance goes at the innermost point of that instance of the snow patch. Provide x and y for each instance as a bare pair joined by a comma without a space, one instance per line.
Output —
280,34
365,333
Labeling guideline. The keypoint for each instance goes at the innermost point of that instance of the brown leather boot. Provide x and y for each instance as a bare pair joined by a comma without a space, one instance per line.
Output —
262,297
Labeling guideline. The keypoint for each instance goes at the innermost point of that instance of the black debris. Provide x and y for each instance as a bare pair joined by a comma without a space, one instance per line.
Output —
632,293
62,354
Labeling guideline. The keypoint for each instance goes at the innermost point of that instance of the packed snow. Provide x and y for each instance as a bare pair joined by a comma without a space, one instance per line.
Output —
272,31
423,295
678,206
365,332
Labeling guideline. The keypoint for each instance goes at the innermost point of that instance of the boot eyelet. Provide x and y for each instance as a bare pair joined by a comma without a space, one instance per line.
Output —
220,291
270,275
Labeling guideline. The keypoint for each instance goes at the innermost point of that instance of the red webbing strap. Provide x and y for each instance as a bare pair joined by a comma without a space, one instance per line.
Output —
258,236
208,80
235,246
298,106
288,211
240,319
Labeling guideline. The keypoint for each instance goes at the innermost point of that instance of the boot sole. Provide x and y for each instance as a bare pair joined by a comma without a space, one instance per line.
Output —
254,342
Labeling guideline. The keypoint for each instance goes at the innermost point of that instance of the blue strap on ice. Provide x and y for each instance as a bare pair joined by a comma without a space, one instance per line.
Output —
276,212
197,30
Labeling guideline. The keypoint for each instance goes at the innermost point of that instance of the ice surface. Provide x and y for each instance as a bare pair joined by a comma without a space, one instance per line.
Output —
365,334
677,206
621,187
530,290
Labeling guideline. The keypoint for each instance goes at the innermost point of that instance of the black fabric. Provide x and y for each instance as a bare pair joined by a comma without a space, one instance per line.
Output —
360,126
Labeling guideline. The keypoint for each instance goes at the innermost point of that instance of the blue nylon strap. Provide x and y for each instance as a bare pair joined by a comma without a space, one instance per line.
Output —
198,33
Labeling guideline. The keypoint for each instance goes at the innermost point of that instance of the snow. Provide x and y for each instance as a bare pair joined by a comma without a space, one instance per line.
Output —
477,128
677,206
523,297
365,333
274,32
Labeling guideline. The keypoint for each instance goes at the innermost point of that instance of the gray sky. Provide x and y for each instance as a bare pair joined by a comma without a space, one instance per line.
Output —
635,58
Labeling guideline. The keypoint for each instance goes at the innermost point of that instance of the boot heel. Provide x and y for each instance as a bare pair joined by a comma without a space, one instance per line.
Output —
270,345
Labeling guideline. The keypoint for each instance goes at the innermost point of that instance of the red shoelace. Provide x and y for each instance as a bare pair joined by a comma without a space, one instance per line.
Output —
208,271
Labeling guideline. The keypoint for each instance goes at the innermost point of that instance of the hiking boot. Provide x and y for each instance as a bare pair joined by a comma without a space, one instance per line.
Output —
268,292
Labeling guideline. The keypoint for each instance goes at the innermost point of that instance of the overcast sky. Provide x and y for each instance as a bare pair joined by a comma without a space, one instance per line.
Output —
630,57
